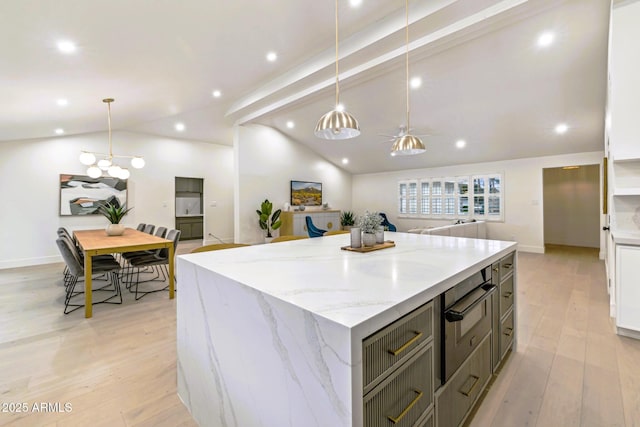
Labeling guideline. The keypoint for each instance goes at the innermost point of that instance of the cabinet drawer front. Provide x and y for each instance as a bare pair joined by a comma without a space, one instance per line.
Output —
506,295
427,421
462,390
506,266
392,345
506,334
405,396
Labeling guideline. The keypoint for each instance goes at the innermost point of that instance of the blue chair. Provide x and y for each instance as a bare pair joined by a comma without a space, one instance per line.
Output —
386,223
312,229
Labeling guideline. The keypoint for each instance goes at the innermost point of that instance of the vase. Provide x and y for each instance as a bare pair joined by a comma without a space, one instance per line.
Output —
115,229
368,239
380,235
356,237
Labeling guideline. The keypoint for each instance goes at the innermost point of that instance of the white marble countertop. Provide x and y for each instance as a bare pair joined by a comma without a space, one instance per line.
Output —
350,288
626,237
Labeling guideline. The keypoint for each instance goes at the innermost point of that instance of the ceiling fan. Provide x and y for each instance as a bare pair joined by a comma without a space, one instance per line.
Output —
402,131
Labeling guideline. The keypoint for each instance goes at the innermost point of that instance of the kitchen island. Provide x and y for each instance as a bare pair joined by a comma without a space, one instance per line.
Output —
272,335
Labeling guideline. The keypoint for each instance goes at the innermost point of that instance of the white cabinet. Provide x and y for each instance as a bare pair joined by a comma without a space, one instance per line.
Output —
294,222
625,212
623,150
627,290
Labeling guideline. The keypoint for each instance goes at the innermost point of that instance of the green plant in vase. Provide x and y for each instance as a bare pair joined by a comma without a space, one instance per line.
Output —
114,213
369,224
267,219
347,220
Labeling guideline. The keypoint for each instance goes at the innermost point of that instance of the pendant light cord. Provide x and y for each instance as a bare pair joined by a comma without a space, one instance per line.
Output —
407,61
108,101
337,81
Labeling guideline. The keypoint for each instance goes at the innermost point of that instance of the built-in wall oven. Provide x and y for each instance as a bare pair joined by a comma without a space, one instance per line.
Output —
464,318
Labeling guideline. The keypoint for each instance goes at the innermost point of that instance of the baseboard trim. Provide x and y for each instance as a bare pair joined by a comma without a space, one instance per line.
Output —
28,262
628,332
532,249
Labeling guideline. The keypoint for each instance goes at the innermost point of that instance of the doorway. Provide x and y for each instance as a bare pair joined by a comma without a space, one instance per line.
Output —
189,216
571,196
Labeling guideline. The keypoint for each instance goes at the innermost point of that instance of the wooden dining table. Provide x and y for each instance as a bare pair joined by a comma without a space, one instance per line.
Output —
97,242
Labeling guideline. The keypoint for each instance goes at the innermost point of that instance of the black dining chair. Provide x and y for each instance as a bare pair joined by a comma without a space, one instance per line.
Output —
158,260
76,271
63,233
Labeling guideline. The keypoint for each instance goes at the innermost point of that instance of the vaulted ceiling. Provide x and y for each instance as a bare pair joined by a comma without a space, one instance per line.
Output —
484,77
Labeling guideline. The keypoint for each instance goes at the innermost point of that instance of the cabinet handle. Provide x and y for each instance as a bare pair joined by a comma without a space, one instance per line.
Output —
508,266
496,269
507,294
508,331
404,346
475,382
397,419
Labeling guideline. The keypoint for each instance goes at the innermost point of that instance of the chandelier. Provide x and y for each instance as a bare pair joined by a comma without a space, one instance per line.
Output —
337,123
405,143
100,162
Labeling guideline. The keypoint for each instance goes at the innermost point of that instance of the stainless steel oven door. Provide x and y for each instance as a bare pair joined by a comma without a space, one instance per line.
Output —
465,324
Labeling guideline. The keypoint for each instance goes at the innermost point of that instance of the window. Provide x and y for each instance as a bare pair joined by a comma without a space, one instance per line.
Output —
425,199
408,198
450,197
436,197
462,197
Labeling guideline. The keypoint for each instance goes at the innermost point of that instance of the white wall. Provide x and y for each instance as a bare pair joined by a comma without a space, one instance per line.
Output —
522,188
266,162
572,206
29,172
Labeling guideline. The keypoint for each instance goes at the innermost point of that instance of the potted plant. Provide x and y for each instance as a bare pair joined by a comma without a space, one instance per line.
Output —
369,223
347,220
267,220
114,213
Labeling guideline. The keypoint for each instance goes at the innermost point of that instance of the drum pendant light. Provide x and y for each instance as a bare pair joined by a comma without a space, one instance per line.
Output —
337,124
407,144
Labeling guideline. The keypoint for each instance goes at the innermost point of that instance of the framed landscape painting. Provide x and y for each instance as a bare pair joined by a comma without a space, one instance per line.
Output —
82,195
304,193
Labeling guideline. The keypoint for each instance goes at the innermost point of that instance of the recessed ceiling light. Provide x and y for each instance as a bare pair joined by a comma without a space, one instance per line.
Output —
59,131
355,3
62,102
461,143
546,39
345,161
415,82
66,46
561,128
290,124
180,127
217,94
272,56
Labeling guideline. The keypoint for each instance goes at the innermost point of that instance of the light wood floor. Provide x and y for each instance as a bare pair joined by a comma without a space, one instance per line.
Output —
119,368
569,369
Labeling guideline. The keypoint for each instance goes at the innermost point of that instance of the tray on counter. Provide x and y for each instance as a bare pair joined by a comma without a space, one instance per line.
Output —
377,246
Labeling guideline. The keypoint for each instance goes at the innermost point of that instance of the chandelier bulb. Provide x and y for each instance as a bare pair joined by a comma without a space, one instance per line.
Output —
124,173
94,171
87,158
137,162
114,171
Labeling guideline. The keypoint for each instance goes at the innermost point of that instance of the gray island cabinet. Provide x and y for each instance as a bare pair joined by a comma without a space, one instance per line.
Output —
302,333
